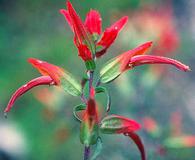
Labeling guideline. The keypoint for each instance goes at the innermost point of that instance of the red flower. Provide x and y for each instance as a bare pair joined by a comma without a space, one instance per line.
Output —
114,124
87,33
52,75
82,38
43,80
110,35
133,58
47,69
93,22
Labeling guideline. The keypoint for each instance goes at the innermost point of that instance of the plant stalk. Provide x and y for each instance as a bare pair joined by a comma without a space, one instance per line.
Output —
86,153
90,82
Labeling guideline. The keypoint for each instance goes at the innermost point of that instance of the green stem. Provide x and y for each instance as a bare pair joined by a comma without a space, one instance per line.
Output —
90,82
86,153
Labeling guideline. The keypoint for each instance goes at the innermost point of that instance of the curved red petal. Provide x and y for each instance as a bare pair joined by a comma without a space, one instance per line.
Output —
47,69
79,28
67,17
43,80
126,57
93,22
111,33
149,59
84,52
128,125
138,142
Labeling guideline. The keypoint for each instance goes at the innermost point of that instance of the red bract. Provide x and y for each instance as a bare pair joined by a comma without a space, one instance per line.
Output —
110,35
82,38
138,142
92,44
52,75
89,126
87,33
125,58
43,80
93,22
47,69
91,113
148,59
135,57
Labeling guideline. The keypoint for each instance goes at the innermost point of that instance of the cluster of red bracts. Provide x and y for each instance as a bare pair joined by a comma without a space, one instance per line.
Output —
87,36
92,44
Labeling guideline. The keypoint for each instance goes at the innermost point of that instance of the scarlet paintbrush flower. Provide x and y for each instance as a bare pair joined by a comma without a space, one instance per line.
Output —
52,75
82,38
91,44
87,33
135,57
115,124
43,80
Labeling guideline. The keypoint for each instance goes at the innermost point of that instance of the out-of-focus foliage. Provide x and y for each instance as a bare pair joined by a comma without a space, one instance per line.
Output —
44,120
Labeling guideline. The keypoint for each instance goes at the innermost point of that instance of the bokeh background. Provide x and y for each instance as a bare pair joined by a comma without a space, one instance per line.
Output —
41,125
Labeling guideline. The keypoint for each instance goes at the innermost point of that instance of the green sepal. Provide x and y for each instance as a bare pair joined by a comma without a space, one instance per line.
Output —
101,89
70,84
95,37
99,48
115,124
98,149
88,136
90,65
78,108
110,125
110,71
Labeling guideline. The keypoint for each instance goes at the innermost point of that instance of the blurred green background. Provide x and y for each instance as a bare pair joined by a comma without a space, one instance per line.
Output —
41,125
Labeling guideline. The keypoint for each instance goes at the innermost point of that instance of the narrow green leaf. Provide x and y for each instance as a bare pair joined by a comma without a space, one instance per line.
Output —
98,149
104,90
110,71
70,85
78,108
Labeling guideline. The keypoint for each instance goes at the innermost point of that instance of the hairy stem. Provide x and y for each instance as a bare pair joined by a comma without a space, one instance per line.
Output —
86,153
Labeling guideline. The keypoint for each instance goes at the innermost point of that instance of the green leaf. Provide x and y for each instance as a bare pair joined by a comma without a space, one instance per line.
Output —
114,124
78,108
110,71
104,90
90,65
88,134
70,84
98,149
